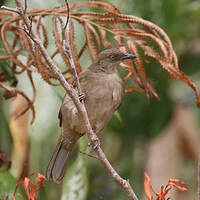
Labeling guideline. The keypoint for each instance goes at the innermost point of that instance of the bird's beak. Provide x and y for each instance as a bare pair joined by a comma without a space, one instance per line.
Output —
128,56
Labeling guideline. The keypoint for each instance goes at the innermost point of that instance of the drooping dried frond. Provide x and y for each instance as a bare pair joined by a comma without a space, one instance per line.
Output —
12,91
130,32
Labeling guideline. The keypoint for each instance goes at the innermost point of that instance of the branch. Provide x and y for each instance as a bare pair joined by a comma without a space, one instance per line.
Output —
69,54
94,141
124,184
10,9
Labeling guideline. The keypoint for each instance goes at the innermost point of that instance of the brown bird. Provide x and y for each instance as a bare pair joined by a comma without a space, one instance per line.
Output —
103,90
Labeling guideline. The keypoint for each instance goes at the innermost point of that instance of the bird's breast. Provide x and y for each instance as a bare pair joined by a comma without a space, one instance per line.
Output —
103,97
104,88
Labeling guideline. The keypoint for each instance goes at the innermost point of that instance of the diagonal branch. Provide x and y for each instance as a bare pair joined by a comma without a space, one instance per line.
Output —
124,184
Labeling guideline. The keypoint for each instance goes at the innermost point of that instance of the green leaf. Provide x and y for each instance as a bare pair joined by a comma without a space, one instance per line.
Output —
6,70
118,116
75,184
7,186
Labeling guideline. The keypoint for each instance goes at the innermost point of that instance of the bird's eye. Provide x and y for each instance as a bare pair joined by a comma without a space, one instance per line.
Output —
112,57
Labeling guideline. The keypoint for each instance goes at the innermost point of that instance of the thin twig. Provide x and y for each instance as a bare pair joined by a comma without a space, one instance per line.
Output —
25,6
69,54
88,155
68,50
67,22
10,9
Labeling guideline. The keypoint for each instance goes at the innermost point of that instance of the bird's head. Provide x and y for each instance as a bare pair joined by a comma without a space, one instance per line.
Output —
109,59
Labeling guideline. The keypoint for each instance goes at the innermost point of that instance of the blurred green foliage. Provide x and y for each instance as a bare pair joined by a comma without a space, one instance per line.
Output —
7,186
75,184
140,120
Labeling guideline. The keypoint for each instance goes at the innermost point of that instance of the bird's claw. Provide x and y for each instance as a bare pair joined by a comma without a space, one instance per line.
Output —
94,143
81,97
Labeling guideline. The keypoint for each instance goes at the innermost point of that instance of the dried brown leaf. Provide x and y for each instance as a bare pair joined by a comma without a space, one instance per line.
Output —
92,40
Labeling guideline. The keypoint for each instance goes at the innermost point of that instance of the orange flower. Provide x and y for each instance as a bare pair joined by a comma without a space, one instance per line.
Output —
29,187
164,190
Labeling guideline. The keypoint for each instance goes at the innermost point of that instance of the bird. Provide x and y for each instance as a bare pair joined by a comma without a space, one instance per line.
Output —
103,91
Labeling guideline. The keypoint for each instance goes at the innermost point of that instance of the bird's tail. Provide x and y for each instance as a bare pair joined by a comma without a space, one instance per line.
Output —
57,165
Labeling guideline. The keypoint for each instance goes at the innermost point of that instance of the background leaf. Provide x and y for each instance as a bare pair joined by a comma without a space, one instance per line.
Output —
75,184
7,186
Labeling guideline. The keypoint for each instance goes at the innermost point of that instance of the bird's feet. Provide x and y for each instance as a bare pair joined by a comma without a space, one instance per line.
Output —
81,97
95,142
